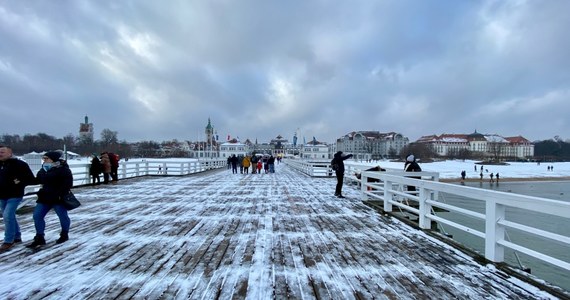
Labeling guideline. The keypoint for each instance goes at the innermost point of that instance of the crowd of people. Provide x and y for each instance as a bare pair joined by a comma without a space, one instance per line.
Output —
56,181
255,162
108,165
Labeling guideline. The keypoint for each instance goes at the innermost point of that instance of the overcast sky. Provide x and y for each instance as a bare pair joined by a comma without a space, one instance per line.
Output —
157,70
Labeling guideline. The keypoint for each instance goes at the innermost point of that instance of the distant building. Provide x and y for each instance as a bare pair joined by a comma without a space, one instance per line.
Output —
232,147
484,145
366,145
315,150
279,146
86,130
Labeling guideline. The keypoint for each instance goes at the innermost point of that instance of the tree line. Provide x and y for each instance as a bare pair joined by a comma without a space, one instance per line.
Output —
554,149
41,142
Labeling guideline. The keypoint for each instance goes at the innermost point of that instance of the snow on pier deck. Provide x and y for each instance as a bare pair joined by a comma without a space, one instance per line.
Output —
231,236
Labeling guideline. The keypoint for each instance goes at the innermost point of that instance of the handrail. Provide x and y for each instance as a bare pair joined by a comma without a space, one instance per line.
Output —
132,169
390,190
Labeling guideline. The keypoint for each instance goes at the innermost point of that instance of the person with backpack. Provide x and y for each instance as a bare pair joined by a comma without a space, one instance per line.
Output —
337,165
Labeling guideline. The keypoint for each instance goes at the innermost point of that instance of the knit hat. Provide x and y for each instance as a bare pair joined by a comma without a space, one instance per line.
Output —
410,158
53,155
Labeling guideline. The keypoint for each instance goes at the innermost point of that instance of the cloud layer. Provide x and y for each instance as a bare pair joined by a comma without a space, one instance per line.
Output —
158,70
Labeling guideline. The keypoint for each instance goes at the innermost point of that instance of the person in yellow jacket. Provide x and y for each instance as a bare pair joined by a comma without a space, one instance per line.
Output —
246,162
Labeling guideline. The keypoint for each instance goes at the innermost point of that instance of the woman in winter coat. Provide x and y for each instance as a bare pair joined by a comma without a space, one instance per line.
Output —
56,180
106,165
95,169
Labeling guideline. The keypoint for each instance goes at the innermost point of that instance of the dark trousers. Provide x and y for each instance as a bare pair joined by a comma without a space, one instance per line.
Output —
96,178
339,181
115,173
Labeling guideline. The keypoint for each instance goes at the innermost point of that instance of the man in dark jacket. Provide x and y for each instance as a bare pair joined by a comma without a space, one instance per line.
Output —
339,171
412,166
14,176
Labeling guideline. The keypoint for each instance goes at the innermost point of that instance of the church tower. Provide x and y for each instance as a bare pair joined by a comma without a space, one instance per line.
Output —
209,132
86,130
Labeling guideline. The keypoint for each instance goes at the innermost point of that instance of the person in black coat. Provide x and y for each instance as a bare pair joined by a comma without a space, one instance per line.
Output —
56,180
15,174
339,172
95,169
412,166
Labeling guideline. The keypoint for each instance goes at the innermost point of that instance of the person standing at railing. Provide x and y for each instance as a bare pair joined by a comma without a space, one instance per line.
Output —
95,169
412,166
338,162
106,163
114,159
15,174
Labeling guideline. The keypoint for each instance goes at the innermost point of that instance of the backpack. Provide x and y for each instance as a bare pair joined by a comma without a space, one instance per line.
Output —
334,165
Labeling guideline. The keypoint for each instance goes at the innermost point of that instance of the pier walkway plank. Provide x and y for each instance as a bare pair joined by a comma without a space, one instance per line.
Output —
233,236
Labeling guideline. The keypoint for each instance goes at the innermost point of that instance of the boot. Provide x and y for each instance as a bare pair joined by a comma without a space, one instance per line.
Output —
63,236
38,241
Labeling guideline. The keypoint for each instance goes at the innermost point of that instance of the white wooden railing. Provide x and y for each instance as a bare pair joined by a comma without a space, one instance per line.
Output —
391,189
313,168
132,169
392,192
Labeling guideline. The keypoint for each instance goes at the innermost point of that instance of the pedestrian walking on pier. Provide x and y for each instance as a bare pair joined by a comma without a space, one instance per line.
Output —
463,174
271,162
338,163
497,176
246,163
234,162
15,174
492,180
56,180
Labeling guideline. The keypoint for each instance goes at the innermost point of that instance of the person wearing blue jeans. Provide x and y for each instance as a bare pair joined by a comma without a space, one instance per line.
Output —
15,174
56,180
40,213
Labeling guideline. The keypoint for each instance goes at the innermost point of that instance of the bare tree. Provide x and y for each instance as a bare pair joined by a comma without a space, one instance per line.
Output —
109,138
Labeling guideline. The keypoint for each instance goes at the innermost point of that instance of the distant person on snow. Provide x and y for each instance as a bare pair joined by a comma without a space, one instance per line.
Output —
338,162
412,166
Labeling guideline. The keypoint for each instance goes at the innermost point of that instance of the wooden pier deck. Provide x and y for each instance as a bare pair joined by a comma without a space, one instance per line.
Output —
233,236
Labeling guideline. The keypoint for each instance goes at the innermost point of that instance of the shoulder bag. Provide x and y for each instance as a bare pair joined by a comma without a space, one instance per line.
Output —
70,202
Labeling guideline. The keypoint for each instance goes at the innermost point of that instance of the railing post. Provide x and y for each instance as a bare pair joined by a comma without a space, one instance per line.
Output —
123,170
363,188
424,208
388,196
494,232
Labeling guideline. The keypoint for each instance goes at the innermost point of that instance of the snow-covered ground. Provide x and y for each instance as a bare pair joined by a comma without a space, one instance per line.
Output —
452,169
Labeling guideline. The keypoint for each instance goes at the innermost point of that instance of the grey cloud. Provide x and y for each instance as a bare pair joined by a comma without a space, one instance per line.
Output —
158,70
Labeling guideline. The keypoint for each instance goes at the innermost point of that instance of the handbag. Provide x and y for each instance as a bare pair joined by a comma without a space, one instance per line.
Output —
70,202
